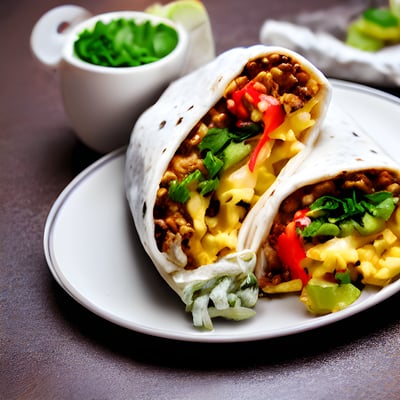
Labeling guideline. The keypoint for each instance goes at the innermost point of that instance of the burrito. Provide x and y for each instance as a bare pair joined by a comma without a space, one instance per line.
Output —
202,156
334,225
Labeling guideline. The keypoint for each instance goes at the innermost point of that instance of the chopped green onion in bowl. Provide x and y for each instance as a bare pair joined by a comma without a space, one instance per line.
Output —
125,43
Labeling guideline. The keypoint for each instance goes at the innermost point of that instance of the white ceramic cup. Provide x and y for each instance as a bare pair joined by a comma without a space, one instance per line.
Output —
102,103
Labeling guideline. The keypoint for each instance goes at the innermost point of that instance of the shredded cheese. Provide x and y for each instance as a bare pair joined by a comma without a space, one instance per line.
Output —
217,236
376,257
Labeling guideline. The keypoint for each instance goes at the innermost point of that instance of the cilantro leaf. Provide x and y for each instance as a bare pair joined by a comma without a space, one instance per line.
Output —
365,213
208,186
180,191
215,140
320,228
380,204
213,164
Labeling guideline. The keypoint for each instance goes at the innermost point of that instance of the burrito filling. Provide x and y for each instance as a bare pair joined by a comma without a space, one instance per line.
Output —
331,238
231,157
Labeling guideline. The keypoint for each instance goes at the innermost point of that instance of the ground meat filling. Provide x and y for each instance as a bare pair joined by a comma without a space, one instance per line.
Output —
276,75
367,182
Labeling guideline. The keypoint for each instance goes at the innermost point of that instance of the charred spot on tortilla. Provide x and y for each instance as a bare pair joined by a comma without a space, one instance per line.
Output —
214,87
179,121
191,107
162,124
355,134
144,209
373,151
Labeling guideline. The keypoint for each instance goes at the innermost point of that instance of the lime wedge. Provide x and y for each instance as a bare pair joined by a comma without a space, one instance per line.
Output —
394,6
356,38
193,17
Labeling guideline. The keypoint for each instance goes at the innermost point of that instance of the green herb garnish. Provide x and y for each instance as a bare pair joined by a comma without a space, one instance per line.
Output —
343,277
213,164
180,191
221,149
208,186
125,43
365,213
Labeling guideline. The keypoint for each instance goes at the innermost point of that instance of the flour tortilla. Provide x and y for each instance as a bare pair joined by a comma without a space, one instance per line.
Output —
342,146
161,129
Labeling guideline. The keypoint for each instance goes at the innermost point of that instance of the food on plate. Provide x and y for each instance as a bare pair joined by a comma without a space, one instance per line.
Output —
125,43
375,29
334,225
202,156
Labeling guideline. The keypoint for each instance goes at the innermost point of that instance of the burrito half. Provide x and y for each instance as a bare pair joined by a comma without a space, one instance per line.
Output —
334,226
202,156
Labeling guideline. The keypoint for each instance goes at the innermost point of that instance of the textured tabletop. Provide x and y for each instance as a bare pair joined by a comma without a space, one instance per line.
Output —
51,347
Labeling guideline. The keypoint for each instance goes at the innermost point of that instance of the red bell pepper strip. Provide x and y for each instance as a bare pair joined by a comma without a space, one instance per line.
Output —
273,116
291,252
237,107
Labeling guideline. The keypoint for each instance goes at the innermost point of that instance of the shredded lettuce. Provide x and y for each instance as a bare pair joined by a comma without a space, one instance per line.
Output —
231,297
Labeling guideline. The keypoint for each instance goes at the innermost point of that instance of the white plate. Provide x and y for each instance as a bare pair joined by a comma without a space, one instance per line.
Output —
93,252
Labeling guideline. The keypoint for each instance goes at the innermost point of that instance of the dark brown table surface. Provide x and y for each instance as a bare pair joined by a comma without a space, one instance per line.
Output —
53,348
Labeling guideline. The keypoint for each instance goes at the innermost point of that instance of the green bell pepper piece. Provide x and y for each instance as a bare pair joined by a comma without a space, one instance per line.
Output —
322,297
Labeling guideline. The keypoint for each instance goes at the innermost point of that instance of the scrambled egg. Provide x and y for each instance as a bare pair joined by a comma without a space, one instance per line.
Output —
217,235
376,257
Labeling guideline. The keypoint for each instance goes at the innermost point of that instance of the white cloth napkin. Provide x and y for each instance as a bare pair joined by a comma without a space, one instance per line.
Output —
332,56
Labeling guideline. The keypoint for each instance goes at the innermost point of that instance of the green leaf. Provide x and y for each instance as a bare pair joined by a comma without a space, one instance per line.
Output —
380,204
324,205
320,228
180,191
369,225
366,213
215,140
208,186
123,43
213,164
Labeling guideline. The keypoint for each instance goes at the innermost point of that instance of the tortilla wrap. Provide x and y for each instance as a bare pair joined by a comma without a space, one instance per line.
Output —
365,246
192,108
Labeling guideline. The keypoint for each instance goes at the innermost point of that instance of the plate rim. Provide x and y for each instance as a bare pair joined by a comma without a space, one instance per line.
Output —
199,336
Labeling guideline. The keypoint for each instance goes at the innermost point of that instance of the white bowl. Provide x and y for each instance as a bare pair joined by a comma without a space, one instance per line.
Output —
103,103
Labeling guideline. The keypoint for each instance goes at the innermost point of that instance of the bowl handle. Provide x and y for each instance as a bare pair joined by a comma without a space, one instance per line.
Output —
50,31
